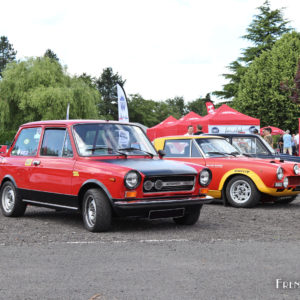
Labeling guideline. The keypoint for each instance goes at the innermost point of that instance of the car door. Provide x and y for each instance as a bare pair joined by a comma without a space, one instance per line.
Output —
52,172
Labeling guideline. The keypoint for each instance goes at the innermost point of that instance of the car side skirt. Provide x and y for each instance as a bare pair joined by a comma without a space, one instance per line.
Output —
50,200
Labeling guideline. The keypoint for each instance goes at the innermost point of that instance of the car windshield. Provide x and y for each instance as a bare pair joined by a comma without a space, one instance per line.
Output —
213,147
99,139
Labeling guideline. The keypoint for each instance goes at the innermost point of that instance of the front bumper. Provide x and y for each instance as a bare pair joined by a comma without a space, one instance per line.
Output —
142,206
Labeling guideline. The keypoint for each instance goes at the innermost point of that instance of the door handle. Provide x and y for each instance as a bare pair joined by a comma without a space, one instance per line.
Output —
36,162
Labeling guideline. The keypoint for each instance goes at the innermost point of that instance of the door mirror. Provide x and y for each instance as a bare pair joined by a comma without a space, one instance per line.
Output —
3,150
161,153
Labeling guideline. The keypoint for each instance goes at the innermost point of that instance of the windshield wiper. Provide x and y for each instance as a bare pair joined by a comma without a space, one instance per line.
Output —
234,153
106,148
215,152
133,149
247,154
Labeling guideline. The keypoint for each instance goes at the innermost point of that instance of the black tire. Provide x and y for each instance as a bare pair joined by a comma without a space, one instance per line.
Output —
242,192
10,201
96,211
190,218
285,200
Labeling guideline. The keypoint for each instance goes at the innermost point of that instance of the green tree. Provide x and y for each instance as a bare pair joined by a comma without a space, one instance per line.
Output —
49,53
176,107
143,111
7,53
260,92
40,89
265,29
230,89
199,105
106,85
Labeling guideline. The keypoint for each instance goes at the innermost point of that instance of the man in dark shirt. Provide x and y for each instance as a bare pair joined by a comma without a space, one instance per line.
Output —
199,130
268,136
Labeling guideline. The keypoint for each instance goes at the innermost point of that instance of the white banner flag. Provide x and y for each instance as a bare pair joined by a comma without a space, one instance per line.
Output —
122,105
68,109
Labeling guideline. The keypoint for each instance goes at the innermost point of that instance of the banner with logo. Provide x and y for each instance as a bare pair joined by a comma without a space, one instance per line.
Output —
232,128
210,108
122,105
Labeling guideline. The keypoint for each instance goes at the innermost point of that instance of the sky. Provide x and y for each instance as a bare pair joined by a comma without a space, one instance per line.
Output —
163,48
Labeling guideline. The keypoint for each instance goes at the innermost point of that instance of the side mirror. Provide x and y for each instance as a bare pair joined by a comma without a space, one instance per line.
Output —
161,153
3,149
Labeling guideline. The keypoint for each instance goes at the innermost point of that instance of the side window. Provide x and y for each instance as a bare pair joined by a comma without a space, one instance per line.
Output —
67,150
53,142
177,148
245,145
27,142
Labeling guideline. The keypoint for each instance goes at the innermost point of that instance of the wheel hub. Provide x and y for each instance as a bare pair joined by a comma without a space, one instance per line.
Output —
8,199
240,191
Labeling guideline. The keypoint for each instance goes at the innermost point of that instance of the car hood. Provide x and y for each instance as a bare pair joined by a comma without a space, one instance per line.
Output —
151,167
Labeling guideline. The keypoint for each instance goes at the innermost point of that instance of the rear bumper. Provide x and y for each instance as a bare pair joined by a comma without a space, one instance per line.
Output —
142,207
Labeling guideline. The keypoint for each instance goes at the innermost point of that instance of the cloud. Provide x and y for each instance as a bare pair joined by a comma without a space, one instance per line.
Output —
163,48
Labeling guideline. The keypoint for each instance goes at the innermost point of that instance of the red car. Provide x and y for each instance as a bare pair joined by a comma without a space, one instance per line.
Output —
238,180
100,168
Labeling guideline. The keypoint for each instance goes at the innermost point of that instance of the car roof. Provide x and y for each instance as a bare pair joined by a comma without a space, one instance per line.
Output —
73,122
177,137
232,134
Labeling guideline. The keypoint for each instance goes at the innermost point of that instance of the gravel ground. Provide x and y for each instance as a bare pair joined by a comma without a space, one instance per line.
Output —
266,222
229,254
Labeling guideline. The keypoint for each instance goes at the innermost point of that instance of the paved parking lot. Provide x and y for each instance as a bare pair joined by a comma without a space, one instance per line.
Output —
230,254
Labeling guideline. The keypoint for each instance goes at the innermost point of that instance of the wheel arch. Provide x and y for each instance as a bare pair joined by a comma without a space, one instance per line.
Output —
92,183
8,178
228,178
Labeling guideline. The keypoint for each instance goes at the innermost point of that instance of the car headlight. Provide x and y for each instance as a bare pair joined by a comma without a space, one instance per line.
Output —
285,182
205,177
279,173
132,180
296,169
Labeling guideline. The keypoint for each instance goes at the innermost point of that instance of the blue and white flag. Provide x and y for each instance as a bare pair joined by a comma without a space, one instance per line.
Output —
122,105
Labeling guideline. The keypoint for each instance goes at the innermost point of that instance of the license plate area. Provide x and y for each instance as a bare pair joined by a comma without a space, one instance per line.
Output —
166,213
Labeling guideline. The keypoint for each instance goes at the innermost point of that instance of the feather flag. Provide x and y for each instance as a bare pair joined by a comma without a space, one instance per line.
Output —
122,105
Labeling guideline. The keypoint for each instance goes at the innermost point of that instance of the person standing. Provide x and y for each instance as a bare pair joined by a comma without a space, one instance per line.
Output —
287,143
199,130
190,130
280,143
268,137
297,143
255,131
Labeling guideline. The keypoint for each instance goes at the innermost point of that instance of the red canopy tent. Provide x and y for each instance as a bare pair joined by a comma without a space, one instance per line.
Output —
154,131
275,130
180,127
227,119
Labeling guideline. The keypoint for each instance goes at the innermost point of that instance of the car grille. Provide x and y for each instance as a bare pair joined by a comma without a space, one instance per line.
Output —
294,180
155,184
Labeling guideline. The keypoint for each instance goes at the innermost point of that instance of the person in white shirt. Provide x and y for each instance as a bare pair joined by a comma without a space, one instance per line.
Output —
190,130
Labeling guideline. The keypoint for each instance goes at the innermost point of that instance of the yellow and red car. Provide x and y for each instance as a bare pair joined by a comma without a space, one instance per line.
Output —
236,179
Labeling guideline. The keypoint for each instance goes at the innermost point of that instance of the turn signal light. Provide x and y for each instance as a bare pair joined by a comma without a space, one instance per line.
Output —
130,194
203,191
